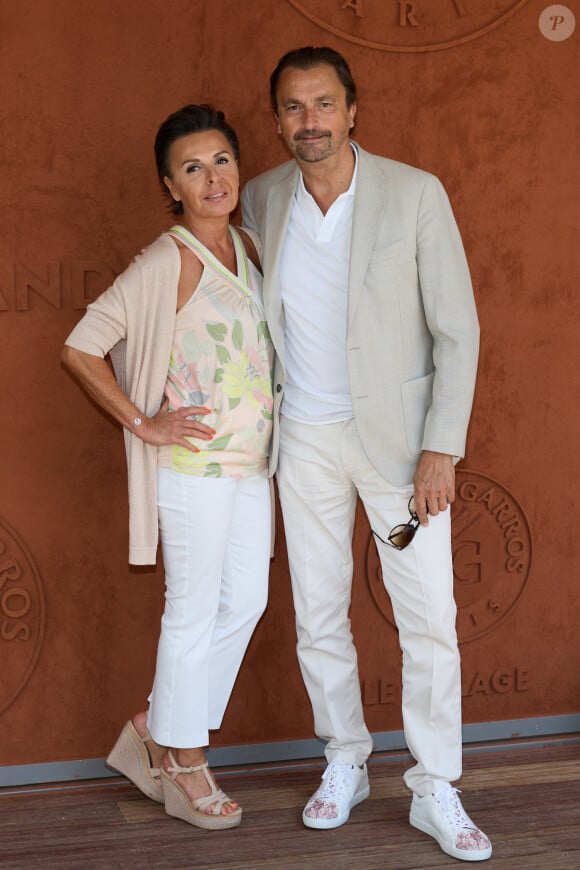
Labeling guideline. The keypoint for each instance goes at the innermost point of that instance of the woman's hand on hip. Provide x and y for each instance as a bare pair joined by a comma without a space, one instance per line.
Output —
172,427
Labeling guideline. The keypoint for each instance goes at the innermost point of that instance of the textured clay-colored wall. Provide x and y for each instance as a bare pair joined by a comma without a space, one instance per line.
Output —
491,111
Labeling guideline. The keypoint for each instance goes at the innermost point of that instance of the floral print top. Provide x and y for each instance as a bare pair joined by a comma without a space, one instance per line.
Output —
222,358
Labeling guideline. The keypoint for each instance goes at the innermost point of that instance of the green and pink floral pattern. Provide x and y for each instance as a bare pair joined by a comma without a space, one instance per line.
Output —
222,359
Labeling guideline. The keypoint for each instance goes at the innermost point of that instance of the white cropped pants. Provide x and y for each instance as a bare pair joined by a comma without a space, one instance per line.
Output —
215,535
321,469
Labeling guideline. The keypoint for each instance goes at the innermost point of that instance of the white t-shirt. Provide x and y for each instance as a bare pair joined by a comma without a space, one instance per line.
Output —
314,268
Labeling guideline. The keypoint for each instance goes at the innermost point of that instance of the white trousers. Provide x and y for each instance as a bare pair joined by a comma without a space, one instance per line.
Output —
215,535
321,470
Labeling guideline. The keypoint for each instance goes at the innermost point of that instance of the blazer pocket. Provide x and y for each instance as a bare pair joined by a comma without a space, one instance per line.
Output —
397,251
417,396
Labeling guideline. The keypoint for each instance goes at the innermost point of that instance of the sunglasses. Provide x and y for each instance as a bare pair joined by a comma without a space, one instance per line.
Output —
402,535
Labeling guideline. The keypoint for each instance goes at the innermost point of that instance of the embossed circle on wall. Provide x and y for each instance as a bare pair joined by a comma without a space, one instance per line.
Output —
557,23
410,26
22,615
492,556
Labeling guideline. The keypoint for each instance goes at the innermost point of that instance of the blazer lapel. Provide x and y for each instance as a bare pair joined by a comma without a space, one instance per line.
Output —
278,208
369,205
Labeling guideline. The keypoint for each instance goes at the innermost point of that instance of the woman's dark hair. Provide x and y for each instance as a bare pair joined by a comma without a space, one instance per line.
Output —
189,119
308,57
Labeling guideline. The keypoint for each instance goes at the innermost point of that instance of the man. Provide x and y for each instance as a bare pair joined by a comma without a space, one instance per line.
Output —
371,311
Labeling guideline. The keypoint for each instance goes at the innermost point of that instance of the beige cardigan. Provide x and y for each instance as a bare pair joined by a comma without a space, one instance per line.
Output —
134,320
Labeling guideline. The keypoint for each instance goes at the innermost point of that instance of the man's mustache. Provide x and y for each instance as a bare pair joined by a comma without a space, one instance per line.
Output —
309,134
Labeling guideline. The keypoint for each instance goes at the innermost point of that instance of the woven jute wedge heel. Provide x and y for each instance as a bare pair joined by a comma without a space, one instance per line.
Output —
130,757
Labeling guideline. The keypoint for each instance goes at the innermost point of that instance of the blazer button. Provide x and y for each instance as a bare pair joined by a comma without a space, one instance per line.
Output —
278,388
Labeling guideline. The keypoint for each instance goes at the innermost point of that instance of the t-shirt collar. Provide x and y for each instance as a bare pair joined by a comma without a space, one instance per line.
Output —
302,194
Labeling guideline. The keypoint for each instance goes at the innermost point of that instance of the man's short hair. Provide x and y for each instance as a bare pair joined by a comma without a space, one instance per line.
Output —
307,58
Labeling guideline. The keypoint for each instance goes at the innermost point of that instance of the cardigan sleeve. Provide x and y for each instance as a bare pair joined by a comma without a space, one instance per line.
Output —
104,323
133,321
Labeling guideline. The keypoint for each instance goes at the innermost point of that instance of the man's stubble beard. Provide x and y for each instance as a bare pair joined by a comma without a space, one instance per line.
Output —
316,153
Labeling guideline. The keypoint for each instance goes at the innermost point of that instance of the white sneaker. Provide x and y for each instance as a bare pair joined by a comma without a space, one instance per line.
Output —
442,816
343,787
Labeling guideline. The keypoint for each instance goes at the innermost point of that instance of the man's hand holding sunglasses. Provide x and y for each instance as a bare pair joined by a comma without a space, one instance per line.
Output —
434,482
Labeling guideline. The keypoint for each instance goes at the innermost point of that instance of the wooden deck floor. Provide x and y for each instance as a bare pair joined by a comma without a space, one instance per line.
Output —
528,801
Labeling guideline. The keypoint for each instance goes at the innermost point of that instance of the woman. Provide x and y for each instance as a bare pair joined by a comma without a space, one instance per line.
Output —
186,331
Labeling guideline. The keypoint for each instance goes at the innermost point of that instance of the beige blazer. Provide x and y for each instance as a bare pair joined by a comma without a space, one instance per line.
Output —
412,333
